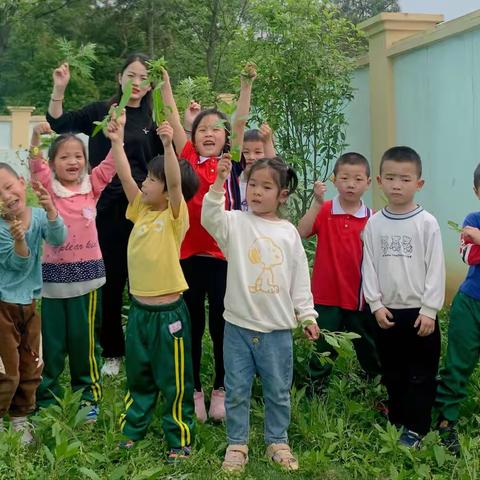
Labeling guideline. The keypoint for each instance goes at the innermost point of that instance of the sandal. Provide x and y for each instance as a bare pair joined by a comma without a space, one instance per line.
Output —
236,457
280,453
176,455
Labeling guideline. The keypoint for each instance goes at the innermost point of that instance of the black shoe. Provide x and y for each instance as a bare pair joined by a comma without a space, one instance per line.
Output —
410,439
449,436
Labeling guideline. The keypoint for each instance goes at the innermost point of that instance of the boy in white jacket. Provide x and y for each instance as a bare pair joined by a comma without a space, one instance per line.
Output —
404,284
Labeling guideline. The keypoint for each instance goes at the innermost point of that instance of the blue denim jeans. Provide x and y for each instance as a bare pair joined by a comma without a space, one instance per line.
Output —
247,353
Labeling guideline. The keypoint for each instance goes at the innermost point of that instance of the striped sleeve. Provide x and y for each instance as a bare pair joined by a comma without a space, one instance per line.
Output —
470,253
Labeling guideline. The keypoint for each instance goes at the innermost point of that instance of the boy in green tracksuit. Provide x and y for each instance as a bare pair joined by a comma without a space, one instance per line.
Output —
158,343
463,349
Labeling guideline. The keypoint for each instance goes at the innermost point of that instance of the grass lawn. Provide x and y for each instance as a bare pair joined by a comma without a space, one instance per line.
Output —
338,436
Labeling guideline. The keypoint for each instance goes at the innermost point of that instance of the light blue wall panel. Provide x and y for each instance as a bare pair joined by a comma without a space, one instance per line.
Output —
358,117
437,113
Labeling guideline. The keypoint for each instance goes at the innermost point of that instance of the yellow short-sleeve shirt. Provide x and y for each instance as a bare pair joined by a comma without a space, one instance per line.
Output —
154,249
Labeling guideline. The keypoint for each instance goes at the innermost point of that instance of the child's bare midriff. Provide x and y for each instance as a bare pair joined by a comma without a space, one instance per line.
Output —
159,299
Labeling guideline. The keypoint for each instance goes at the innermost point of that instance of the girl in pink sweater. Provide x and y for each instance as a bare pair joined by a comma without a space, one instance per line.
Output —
74,272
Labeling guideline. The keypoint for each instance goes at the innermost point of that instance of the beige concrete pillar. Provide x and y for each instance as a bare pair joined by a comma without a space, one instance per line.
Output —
20,126
382,32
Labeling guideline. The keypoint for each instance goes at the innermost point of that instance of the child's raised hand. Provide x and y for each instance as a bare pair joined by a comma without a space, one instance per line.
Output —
471,234
61,76
266,133
17,230
311,331
191,113
45,200
426,324
383,317
42,128
248,73
165,132
319,189
224,167
115,128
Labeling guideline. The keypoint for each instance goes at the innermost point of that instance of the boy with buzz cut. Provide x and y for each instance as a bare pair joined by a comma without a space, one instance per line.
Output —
404,284
463,349
22,231
336,277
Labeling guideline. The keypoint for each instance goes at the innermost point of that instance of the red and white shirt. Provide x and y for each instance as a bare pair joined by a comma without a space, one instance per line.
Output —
336,276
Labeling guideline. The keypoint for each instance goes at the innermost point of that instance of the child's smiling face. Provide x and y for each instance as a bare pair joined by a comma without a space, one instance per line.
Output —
210,136
12,194
69,163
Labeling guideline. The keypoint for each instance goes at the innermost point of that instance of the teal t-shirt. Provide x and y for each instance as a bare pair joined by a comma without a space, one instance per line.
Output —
21,277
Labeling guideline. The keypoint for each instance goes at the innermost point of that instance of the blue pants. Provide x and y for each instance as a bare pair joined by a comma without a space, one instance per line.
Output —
270,355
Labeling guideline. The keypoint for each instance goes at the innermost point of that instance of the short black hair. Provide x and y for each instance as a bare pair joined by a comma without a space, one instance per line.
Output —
352,158
402,154
476,177
190,180
9,169
252,135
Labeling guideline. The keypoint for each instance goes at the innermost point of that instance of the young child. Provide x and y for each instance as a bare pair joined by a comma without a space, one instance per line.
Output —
463,332
157,340
268,294
404,284
203,263
257,144
22,230
336,277
74,272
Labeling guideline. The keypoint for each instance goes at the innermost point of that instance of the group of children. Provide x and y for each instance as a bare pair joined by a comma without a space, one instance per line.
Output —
191,217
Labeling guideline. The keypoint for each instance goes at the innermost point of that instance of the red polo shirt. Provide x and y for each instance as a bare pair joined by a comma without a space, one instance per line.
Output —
197,240
336,276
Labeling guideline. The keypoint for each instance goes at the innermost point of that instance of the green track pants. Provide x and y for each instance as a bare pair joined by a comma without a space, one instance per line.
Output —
70,326
158,359
463,353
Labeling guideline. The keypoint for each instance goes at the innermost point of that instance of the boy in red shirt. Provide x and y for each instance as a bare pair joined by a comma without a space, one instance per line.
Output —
336,276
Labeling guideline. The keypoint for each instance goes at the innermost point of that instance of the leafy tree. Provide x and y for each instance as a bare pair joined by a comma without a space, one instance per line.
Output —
304,51
359,10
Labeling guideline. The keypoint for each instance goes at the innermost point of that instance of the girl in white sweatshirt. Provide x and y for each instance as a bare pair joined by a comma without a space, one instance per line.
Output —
268,294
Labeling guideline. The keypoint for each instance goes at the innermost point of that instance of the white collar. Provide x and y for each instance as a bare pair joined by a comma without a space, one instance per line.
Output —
60,191
204,159
337,209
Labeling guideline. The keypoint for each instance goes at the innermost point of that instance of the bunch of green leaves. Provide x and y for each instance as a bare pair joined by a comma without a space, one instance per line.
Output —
198,89
80,59
229,110
127,93
155,77
47,140
305,350
455,226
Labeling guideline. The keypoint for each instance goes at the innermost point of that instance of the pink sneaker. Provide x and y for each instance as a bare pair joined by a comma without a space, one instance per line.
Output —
200,410
217,405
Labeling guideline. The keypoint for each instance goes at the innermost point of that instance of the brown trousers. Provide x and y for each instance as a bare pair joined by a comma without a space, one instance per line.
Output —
20,358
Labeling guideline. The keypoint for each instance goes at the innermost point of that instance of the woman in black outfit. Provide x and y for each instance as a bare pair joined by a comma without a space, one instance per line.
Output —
141,145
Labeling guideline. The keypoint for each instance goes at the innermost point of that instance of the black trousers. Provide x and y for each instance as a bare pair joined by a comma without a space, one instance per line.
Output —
113,232
410,366
206,278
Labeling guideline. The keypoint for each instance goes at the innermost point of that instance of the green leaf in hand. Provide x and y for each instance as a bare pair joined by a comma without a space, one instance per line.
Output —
455,226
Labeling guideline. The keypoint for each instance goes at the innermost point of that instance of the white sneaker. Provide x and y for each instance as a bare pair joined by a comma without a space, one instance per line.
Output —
20,424
111,366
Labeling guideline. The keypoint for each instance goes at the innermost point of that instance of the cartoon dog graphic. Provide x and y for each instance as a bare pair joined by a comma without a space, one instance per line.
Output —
266,253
